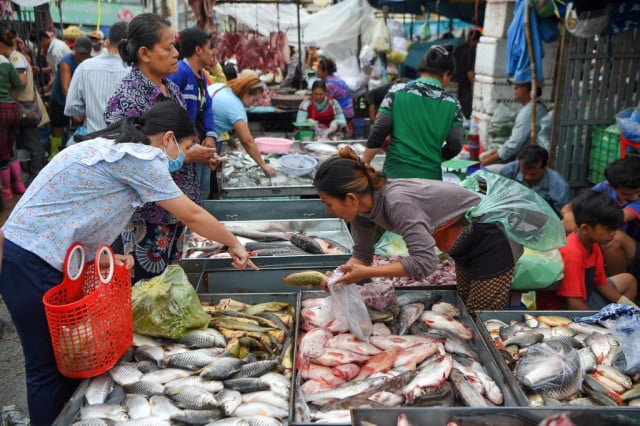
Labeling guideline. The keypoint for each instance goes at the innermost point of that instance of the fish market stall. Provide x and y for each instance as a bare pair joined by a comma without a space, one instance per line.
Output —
551,360
495,416
437,359
190,381
240,176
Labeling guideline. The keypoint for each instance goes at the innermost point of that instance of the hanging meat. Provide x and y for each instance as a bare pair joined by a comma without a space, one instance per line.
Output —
203,13
254,51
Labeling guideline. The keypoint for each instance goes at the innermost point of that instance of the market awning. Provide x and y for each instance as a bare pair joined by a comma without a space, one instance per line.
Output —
466,10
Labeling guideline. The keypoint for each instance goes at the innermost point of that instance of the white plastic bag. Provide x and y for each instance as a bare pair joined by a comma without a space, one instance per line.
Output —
348,302
380,39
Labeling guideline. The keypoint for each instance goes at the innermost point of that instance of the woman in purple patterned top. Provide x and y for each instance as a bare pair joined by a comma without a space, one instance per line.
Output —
154,237
336,87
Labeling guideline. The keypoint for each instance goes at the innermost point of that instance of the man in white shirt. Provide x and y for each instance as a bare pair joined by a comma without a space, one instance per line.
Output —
94,81
97,43
55,50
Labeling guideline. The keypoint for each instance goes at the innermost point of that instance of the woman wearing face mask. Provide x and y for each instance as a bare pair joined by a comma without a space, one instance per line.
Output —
323,109
229,111
154,236
88,193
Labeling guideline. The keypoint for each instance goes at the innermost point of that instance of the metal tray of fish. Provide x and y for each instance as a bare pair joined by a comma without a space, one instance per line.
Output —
494,416
507,317
71,412
477,342
240,176
273,253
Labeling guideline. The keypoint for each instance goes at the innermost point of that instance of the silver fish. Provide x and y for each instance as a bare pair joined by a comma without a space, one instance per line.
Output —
266,396
192,397
191,360
581,327
99,388
346,390
465,391
93,422
145,387
146,421
599,344
427,298
222,368
103,411
409,314
147,365
588,360
433,372
255,369
259,420
524,340
277,382
196,417
204,339
446,309
137,406
257,408
142,340
229,421
229,400
245,384
152,353
208,385
165,375
163,407
632,393
116,396
124,374
446,323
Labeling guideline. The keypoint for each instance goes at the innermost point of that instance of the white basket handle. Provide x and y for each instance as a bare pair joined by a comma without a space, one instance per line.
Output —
112,262
68,259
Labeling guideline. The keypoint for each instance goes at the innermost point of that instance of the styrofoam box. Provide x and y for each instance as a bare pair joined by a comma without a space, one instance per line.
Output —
497,17
490,91
491,56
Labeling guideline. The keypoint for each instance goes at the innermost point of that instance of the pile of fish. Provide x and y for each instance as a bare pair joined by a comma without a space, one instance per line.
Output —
445,273
587,374
236,372
240,171
420,354
263,243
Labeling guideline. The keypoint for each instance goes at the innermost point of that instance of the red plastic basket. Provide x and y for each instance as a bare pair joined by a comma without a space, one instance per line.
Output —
89,315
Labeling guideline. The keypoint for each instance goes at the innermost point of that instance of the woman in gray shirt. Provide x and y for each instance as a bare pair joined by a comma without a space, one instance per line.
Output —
425,213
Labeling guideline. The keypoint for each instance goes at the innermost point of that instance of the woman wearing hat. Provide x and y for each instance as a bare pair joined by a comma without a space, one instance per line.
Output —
229,111
425,122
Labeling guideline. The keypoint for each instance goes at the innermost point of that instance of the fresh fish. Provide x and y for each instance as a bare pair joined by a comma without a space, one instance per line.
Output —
191,360
166,375
163,407
427,298
524,340
599,344
196,417
104,411
377,363
146,388
408,359
380,329
514,329
204,339
331,357
197,381
607,382
446,323
581,402
99,388
465,391
92,422
409,314
433,372
554,320
266,396
258,420
146,421
306,279
255,369
387,343
221,368
229,400
116,396
192,397
588,359
147,365
615,375
585,328
229,421
271,306
151,353
245,384
137,406
321,148
563,330
311,345
330,246
124,374
632,393
446,309
346,390
142,340
530,320
454,345
351,343
602,398
322,374
260,408
306,243
277,382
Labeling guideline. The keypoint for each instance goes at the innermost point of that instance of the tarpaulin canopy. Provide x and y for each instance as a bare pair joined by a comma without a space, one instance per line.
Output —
265,18
466,10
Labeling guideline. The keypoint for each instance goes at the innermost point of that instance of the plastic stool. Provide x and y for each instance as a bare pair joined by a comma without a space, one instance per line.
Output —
624,143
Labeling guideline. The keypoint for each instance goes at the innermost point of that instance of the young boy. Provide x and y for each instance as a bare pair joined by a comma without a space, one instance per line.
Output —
597,217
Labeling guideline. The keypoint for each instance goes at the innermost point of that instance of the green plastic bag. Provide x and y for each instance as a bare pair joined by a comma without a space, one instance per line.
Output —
167,305
537,269
524,215
390,245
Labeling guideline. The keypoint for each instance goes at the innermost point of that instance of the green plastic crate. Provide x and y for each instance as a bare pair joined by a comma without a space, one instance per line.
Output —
605,149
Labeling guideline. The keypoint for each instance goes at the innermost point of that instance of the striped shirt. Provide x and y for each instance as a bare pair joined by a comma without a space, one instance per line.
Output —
92,85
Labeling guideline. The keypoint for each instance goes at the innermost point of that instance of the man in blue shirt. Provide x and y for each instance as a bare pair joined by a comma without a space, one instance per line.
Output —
530,169
195,49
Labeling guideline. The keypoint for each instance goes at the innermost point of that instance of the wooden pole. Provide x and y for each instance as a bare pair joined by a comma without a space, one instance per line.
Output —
532,66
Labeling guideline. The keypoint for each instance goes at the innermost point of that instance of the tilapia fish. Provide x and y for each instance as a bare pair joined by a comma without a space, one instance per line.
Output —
306,279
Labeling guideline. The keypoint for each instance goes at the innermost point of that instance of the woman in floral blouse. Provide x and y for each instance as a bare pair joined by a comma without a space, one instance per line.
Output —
154,237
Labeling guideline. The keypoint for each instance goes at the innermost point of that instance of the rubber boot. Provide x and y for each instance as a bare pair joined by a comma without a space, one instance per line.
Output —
16,177
5,177
55,146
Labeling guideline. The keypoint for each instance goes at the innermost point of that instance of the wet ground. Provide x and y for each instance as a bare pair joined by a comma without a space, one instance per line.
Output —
12,377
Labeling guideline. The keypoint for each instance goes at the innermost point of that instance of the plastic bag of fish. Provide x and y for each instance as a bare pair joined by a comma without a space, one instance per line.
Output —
562,362
234,374
419,354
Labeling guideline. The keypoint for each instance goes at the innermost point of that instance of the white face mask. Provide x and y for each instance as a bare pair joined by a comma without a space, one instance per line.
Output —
176,164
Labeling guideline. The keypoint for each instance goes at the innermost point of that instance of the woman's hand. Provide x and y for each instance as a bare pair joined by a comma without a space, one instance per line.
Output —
269,171
241,258
119,259
200,154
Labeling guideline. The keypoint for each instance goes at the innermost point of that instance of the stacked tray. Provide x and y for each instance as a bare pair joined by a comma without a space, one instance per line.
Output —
71,412
484,357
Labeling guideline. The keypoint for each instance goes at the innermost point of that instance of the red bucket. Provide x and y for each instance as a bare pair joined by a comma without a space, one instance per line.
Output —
89,315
